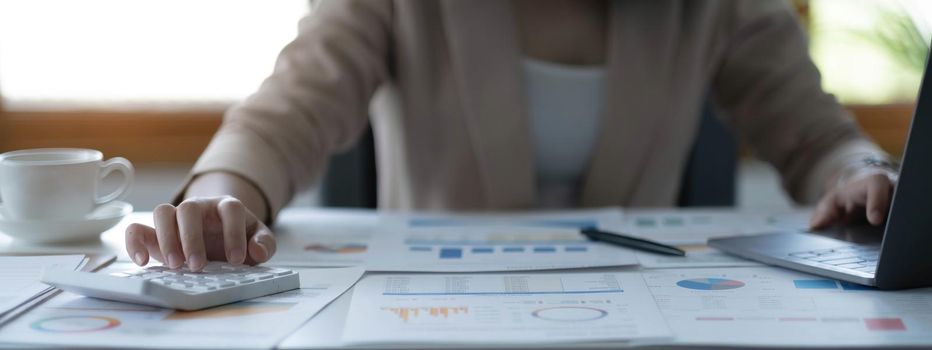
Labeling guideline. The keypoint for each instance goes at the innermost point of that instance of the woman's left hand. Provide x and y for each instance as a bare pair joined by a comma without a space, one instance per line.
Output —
866,195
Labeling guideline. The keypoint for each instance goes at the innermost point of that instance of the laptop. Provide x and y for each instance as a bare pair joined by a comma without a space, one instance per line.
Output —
896,256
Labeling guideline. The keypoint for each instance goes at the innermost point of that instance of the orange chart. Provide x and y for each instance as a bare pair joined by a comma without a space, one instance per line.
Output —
409,313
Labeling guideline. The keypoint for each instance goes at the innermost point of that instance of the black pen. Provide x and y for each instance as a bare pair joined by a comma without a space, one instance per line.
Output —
630,242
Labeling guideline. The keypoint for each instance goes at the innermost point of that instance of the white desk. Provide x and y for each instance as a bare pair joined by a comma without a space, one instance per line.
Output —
322,332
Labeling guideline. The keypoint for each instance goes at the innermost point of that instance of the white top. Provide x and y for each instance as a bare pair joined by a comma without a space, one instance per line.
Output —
565,107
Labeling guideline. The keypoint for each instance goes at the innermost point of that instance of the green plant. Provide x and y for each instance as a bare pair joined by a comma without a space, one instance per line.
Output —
899,35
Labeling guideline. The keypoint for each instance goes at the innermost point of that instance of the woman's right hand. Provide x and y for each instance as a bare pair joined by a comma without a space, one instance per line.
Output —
201,229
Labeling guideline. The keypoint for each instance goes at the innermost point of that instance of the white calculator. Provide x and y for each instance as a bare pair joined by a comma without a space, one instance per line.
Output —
218,283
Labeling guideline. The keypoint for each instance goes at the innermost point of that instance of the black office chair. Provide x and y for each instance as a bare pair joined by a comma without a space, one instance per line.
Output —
710,177
708,180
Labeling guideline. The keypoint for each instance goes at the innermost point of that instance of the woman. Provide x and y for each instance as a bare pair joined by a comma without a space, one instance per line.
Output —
506,105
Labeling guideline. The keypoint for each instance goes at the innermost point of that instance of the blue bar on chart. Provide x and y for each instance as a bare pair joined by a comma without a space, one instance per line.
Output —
451,253
576,249
545,250
483,250
855,286
420,249
513,249
815,284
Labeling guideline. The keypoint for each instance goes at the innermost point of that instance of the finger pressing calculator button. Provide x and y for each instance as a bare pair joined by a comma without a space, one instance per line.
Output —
219,283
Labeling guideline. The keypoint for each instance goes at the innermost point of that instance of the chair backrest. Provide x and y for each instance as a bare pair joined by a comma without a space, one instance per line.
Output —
708,179
350,180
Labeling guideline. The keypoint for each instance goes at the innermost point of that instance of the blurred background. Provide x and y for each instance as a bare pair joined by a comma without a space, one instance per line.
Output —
149,79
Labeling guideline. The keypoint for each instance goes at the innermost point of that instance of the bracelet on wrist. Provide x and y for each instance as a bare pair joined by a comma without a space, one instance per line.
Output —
869,164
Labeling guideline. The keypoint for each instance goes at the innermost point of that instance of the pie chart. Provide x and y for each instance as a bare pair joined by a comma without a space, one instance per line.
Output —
569,313
75,324
710,284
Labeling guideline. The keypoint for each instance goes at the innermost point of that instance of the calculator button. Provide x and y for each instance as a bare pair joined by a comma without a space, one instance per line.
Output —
224,284
214,276
202,288
260,276
212,268
280,272
242,280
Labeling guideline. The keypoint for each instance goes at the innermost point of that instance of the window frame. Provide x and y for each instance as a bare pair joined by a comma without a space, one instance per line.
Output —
181,136
143,136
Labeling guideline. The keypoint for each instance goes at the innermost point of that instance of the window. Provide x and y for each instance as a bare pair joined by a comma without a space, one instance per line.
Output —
871,51
139,54
72,71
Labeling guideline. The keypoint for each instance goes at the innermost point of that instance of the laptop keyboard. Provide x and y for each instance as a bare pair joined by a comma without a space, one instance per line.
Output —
858,258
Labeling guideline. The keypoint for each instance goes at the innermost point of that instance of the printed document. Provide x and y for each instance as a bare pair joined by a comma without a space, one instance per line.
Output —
324,238
474,243
73,320
530,308
696,256
765,306
19,277
697,226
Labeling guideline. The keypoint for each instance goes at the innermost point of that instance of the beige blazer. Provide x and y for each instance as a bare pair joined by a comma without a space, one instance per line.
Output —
449,114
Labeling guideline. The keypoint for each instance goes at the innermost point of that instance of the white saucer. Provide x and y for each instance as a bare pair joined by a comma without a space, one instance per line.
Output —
73,230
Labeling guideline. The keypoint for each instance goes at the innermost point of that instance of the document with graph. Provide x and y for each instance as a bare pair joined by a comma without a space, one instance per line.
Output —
696,256
765,306
19,277
474,243
503,308
696,226
75,321
325,237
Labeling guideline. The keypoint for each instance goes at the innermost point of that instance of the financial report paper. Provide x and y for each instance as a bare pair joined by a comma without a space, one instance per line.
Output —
446,242
513,242
19,277
325,238
73,320
766,306
696,256
697,226
532,308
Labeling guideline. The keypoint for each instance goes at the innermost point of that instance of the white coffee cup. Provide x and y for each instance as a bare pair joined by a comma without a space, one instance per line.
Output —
57,183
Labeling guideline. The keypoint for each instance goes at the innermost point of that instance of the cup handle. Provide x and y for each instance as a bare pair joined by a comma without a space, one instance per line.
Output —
116,164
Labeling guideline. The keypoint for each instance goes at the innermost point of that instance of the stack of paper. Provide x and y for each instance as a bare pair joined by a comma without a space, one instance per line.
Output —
451,243
503,309
767,306
325,238
705,298
696,226
19,280
72,320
